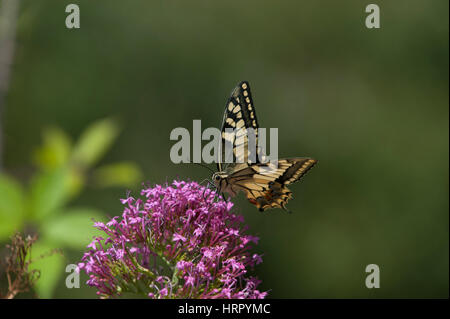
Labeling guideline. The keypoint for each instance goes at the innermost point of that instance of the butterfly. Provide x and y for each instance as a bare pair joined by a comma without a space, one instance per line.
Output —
264,183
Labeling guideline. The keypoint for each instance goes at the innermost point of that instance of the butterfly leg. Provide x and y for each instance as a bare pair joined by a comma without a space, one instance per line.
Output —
220,196
223,196
209,186
206,190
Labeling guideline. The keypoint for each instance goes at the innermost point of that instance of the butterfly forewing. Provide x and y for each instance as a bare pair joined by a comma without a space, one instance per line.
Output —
239,129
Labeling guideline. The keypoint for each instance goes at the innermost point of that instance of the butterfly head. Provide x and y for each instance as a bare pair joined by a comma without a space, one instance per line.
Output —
218,177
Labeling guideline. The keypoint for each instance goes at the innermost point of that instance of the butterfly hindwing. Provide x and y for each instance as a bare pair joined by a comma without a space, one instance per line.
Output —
265,184
294,169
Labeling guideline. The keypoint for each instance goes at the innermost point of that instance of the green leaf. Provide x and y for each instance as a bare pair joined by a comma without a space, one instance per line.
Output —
55,150
11,206
73,228
76,181
51,267
119,174
49,192
94,142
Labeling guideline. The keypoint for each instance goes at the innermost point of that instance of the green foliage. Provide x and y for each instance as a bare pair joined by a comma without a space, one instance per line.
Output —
73,227
11,206
94,142
55,150
118,174
48,192
62,174
50,263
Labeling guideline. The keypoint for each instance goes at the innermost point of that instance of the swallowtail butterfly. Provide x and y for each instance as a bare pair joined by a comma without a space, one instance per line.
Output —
264,184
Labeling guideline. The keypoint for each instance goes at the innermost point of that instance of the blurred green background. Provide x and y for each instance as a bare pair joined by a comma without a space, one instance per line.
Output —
370,104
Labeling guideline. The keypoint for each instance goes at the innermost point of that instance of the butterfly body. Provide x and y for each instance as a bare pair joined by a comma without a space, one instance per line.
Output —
264,183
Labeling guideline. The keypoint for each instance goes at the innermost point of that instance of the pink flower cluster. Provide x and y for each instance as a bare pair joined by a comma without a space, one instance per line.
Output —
180,241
